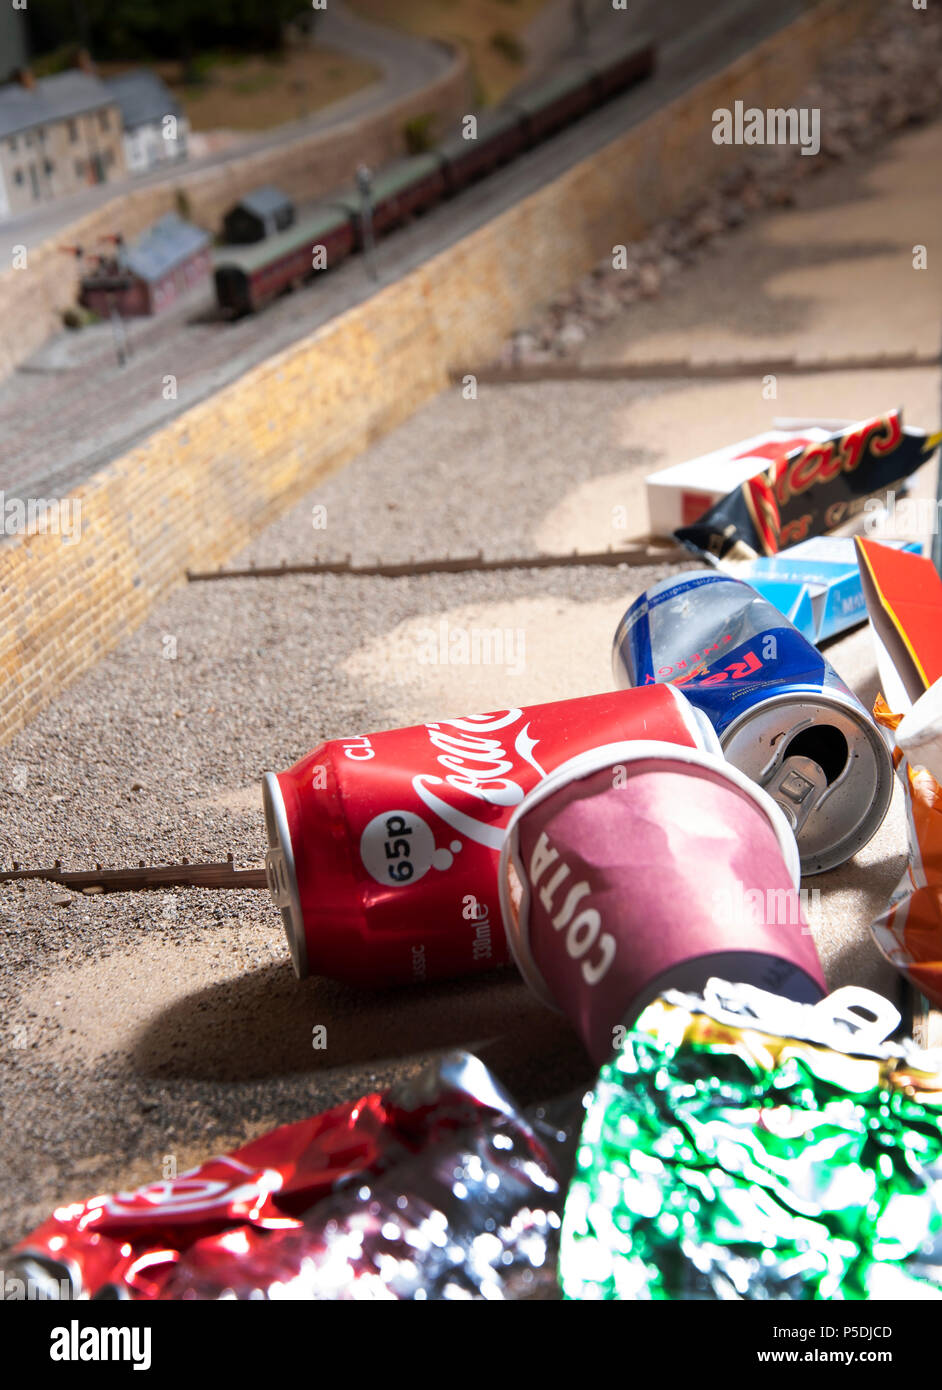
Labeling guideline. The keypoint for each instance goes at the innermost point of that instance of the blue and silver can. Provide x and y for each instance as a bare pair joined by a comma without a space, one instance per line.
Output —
781,712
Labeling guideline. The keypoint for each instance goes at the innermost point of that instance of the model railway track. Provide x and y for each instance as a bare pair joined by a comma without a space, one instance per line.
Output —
350,220
636,556
209,352
690,369
281,253
133,880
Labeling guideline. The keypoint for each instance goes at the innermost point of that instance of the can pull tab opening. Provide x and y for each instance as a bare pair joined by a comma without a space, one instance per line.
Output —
812,761
866,1015
851,1013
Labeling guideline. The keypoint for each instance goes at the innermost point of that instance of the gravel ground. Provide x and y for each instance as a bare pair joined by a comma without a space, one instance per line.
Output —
137,1026
547,467
140,1025
469,475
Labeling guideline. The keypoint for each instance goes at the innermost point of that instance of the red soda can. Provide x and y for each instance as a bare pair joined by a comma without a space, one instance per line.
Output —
383,849
643,867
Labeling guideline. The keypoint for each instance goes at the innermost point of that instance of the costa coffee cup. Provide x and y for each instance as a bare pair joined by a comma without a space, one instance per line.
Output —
644,866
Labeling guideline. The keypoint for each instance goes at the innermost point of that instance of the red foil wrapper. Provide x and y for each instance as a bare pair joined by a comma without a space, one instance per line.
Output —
472,1216
266,1217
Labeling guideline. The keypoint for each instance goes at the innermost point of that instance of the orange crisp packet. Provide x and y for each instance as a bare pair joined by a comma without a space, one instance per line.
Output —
909,930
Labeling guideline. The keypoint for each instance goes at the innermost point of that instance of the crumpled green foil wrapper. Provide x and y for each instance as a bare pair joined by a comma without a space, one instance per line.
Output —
718,1161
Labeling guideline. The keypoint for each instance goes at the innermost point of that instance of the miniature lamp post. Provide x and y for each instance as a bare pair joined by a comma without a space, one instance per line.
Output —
118,330
364,182
580,23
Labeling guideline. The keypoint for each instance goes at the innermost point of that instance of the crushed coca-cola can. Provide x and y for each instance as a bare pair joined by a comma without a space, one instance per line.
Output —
383,848
439,1187
642,867
474,1215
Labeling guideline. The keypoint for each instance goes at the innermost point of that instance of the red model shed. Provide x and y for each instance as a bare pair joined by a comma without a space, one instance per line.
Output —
168,260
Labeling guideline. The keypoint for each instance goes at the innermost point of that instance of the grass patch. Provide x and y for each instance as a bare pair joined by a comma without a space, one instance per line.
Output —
239,91
508,46
59,60
419,134
248,86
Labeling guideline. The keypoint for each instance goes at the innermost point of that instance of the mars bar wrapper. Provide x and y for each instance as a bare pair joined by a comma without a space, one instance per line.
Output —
811,490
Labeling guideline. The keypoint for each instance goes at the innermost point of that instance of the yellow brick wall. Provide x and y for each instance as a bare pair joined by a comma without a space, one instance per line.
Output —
200,487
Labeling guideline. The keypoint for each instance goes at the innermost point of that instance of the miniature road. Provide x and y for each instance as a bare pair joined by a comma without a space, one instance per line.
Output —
140,1026
72,408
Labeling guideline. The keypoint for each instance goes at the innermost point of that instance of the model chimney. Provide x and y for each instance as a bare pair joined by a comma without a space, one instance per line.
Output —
83,60
26,78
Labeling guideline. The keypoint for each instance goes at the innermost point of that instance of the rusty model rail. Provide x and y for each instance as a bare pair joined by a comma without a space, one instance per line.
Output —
459,564
145,876
690,369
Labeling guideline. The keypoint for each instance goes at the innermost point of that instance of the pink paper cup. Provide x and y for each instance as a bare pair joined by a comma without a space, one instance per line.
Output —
641,866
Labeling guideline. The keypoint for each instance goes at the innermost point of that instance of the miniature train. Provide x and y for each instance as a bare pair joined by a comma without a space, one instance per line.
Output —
248,277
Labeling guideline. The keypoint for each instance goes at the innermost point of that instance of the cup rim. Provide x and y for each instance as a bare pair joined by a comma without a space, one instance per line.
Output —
516,925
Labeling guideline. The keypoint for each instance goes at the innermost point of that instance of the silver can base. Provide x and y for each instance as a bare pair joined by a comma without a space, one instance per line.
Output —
280,872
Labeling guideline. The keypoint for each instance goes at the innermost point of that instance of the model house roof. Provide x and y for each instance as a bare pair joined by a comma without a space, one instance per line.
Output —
165,245
142,96
264,201
50,99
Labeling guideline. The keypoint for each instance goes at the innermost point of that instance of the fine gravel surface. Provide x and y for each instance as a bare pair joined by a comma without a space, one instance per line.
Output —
135,1028
481,474
138,1027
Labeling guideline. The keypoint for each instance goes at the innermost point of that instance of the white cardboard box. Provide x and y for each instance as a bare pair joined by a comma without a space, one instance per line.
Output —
678,495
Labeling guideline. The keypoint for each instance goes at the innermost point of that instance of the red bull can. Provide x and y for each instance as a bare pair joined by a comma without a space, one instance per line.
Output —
781,712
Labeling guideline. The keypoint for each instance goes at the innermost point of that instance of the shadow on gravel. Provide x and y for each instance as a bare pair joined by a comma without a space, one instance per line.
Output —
262,1025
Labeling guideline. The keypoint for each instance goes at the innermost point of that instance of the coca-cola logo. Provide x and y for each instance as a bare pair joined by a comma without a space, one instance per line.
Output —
479,767
481,775
195,1191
